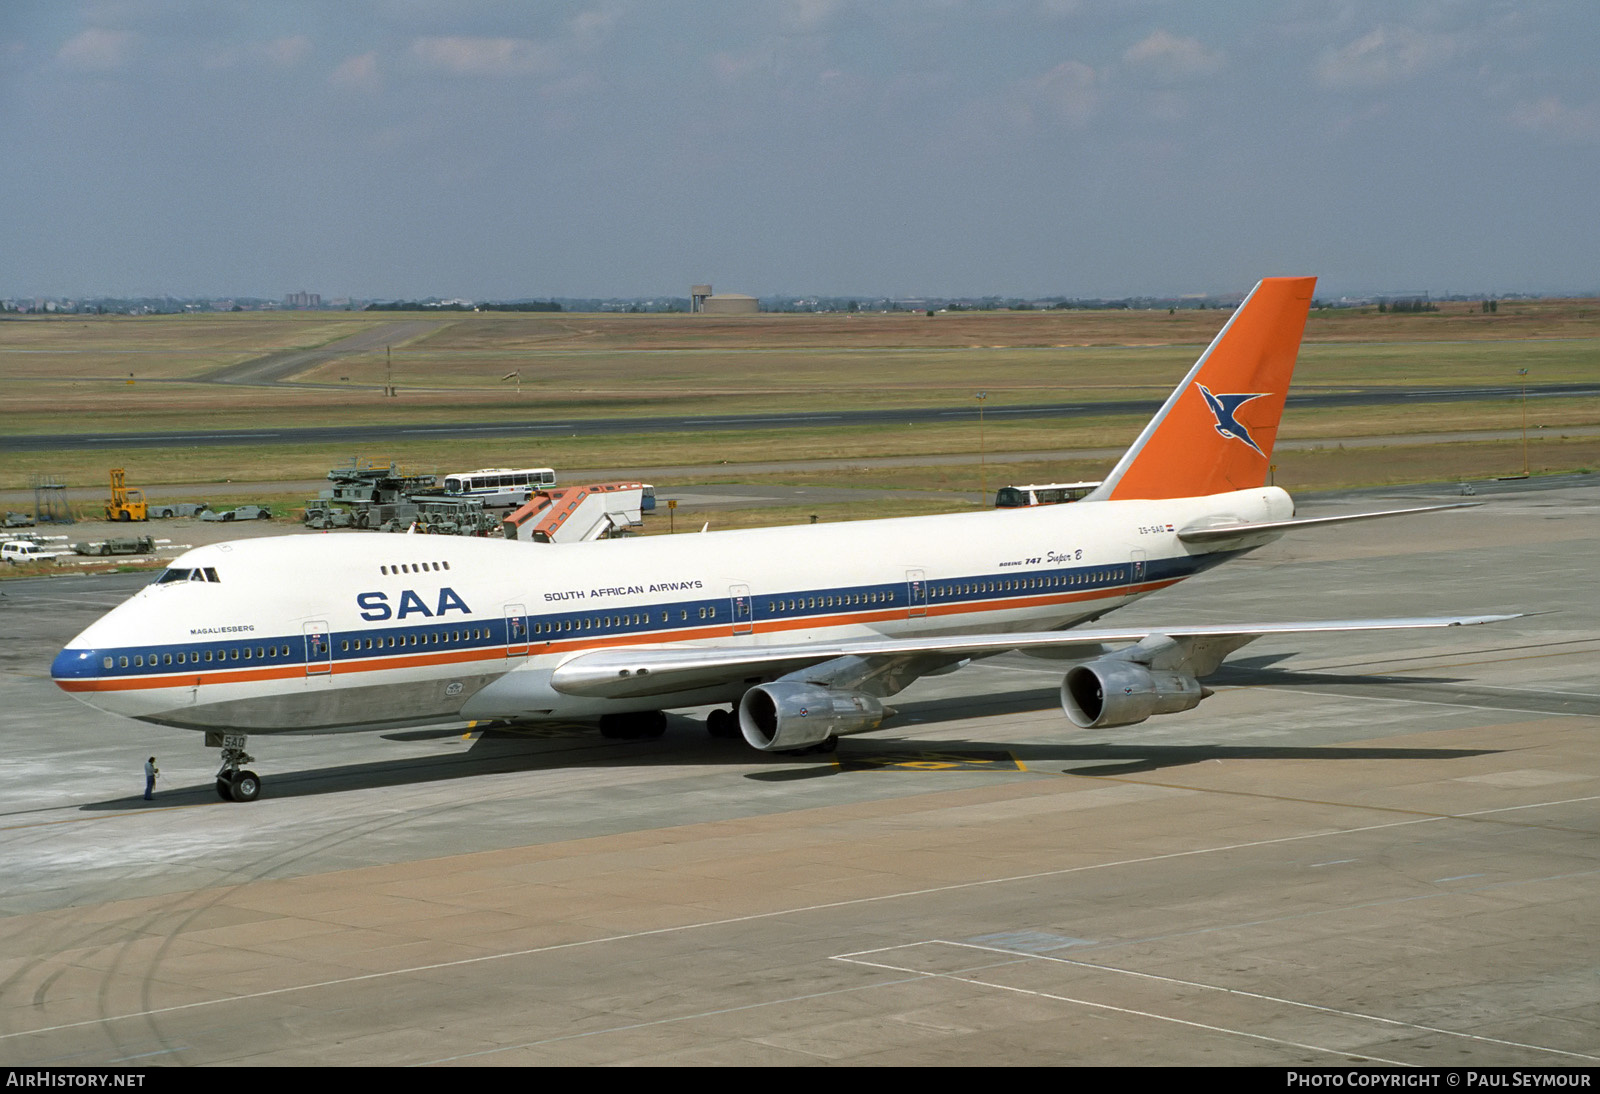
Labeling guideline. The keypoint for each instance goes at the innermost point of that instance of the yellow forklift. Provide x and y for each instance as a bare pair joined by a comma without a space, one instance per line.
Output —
125,504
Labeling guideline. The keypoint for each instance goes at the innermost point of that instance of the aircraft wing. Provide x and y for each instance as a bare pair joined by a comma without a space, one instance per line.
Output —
637,671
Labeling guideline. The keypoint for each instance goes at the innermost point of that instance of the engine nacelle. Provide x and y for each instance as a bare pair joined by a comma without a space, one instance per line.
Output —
1120,693
785,715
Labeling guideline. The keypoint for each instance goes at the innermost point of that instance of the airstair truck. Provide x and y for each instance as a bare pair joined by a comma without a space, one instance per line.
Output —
576,514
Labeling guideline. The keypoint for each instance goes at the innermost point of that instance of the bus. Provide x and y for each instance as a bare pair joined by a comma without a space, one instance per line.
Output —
1048,493
498,486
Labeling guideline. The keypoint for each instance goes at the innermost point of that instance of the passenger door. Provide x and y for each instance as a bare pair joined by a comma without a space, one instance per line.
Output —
516,630
319,649
916,594
743,609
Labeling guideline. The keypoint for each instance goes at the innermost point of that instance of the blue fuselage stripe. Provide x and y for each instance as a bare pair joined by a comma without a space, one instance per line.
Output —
490,636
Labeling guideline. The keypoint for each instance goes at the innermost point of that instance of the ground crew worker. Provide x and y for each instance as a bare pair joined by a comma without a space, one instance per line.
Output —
150,773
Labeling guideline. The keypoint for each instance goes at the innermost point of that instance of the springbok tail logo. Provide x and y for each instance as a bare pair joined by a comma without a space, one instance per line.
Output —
1223,408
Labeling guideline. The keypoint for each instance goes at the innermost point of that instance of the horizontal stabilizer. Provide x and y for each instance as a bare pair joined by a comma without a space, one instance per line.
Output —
1216,533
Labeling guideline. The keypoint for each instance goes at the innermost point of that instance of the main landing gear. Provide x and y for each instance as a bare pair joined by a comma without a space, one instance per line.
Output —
722,724
234,783
633,725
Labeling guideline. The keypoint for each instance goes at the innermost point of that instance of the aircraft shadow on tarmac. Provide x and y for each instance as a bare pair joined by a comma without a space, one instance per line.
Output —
505,749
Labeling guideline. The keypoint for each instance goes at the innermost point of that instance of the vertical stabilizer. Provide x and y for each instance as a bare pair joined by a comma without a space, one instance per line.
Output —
1216,431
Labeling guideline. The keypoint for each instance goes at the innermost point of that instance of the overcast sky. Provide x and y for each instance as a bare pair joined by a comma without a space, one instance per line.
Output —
402,148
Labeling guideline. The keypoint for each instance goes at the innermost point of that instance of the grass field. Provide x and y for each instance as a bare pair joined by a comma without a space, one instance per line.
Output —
71,374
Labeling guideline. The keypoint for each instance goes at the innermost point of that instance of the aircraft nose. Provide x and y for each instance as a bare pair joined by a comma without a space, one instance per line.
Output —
72,665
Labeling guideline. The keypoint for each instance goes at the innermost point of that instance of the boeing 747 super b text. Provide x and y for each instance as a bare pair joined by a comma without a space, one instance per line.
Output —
802,632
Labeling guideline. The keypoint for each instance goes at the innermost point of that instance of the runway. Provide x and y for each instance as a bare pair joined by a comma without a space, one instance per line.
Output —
1374,848
403,431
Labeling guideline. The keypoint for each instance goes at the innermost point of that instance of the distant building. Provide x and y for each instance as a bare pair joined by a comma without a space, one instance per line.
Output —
303,300
697,297
730,303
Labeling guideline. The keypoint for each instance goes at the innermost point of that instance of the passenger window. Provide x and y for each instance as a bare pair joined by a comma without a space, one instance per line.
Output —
106,662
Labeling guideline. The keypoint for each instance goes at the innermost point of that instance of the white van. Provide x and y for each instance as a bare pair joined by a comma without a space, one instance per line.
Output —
18,550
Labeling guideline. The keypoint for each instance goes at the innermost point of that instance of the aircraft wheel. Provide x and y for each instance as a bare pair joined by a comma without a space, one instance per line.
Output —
633,726
246,787
830,745
720,724
225,790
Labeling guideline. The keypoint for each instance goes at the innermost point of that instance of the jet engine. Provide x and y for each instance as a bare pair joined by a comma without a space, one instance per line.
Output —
787,714
1112,692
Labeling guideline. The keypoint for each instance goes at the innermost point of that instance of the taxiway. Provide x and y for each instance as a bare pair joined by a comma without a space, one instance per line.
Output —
1364,849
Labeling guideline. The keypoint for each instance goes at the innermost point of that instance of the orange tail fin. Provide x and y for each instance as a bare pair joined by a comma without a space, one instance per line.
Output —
1216,431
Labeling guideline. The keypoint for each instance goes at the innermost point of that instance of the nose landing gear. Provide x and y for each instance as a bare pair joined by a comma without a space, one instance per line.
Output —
234,783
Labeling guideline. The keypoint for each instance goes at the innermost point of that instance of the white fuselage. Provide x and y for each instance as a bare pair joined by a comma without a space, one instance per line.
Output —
362,630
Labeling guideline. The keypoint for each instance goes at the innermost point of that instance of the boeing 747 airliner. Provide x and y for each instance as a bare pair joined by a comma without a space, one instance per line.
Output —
802,631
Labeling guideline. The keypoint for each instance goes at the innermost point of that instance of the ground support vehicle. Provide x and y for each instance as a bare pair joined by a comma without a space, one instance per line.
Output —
125,504
128,545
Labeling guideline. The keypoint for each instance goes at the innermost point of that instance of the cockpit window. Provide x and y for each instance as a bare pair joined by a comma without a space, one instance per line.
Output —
177,573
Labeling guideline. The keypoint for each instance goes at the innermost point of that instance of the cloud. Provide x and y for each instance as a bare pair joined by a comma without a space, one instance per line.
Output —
733,68
287,52
98,49
359,73
460,56
1384,56
807,16
592,25
1551,117
1070,91
1171,58
280,53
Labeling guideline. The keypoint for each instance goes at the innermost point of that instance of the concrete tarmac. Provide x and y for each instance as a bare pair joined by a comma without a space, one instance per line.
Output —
1364,849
